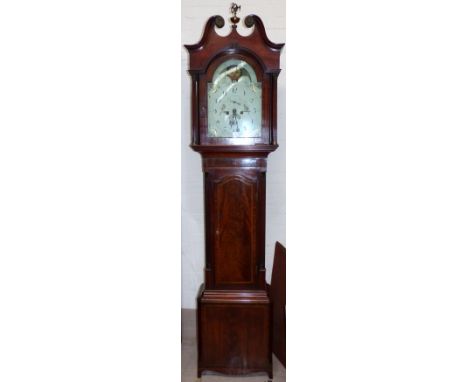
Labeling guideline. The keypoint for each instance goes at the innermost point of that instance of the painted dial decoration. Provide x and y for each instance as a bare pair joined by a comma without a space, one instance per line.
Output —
234,101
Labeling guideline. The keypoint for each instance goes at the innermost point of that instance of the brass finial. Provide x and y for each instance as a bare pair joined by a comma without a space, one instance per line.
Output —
234,9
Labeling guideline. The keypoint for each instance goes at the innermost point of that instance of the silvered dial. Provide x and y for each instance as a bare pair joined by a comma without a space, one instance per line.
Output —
234,101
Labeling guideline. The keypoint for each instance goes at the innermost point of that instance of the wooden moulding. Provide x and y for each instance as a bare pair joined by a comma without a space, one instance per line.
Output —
237,296
212,44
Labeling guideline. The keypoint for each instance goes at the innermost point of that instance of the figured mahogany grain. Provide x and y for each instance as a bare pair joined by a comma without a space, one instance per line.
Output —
235,205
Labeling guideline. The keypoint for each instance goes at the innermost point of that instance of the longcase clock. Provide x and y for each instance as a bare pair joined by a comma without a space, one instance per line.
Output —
234,108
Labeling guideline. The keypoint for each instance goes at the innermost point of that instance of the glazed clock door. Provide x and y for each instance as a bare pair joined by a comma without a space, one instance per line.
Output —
234,101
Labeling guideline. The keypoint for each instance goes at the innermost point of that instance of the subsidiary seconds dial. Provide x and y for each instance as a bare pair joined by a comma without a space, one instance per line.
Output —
234,101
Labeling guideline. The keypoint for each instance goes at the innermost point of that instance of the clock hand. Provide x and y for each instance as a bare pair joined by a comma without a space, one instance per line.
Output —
235,116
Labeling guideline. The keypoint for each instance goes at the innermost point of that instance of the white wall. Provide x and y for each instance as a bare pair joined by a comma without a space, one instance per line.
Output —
194,17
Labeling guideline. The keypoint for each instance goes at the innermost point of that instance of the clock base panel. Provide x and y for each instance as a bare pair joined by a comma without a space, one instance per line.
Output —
234,332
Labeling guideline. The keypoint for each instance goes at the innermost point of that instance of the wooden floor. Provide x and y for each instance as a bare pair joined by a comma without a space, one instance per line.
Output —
189,358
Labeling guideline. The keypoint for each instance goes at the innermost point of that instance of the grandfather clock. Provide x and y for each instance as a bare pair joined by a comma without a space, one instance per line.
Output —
234,91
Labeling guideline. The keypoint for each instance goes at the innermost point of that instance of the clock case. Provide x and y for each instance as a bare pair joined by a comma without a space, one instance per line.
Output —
234,324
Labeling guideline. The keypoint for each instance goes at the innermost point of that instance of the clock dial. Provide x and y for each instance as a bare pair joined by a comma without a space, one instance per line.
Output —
234,101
